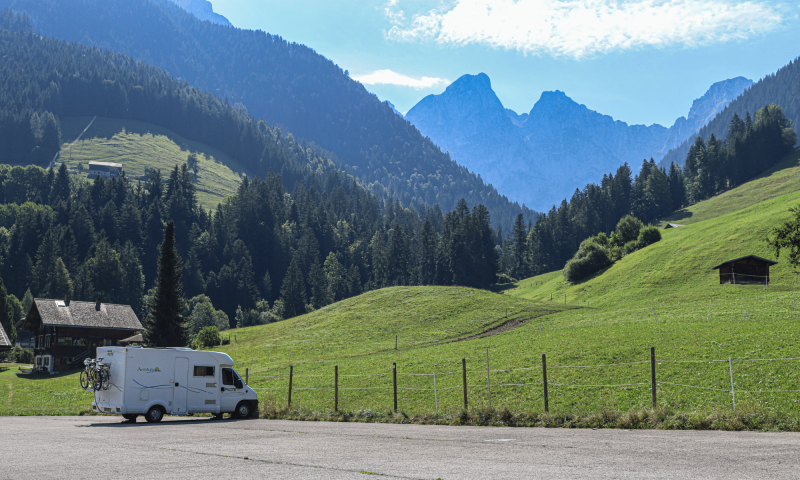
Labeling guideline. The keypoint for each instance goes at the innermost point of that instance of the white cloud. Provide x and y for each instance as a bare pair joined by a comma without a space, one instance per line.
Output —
388,77
580,28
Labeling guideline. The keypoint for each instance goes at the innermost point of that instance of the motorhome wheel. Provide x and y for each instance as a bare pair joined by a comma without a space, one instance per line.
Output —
155,414
243,410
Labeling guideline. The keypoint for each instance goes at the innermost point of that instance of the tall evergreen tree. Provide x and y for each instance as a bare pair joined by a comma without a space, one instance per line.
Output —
166,325
293,291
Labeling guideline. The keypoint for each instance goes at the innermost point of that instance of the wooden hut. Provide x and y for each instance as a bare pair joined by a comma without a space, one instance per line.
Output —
66,331
745,270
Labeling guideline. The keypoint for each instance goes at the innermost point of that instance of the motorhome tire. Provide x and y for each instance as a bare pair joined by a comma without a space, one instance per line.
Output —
242,410
155,414
130,417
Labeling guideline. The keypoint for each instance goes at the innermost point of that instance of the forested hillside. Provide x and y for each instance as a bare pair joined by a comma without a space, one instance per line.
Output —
44,79
266,253
284,83
781,88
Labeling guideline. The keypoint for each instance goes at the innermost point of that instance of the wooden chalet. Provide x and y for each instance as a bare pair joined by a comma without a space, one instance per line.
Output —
745,270
66,331
5,343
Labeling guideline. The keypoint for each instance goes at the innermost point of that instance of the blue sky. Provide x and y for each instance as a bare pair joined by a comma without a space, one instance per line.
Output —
640,61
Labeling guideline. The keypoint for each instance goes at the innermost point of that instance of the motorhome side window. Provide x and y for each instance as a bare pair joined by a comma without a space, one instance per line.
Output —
227,376
200,371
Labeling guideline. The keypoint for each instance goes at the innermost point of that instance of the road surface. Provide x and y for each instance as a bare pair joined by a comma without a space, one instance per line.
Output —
103,447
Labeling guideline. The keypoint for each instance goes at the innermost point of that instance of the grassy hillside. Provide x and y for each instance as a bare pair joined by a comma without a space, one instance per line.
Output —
141,146
597,343
782,179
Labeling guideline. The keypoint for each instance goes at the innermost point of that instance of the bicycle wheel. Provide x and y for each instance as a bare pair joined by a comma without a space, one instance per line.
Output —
97,381
86,381
104,379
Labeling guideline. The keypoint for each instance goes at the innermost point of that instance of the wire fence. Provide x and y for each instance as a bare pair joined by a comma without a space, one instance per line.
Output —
681,383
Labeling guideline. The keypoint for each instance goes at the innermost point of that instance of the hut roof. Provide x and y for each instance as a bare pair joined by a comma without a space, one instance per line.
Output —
769,262
106,164
5,343
81,314
673,225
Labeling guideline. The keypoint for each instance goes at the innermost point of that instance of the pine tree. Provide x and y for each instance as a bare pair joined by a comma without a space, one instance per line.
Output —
677,188
399,257
519,236
318,284
428,243
293,291
166,326
27,301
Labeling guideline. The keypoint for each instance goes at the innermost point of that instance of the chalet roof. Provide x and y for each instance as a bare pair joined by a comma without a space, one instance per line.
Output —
770,262
82,314
673,225
5,343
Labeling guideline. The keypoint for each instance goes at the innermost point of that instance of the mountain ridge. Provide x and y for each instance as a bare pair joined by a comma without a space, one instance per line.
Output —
526,155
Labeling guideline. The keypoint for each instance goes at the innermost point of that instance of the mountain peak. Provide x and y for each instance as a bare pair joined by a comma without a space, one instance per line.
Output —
715,99
203,10
479,82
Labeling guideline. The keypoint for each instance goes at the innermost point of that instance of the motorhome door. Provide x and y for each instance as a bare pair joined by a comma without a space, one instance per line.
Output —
180,392
232,390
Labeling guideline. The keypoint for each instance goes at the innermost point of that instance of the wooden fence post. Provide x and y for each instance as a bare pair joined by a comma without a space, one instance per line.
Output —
246,376
544,378
653,373
291,374
488,379
464,379
394,384
336,388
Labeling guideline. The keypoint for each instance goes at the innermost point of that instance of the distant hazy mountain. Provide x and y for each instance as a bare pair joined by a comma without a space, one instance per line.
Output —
540,157
779,88
203,10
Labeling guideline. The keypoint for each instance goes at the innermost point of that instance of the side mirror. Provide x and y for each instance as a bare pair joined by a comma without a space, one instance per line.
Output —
239,383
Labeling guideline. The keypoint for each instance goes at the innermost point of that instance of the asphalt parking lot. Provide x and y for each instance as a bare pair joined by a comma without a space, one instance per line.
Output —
103,447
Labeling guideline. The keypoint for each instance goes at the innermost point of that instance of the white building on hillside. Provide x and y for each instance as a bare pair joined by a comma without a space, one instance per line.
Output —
104,169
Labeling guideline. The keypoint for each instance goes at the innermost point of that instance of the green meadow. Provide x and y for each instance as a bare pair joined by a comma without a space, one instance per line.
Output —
141,146
597,334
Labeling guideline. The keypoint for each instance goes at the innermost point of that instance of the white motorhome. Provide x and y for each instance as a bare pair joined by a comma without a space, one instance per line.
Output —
171,381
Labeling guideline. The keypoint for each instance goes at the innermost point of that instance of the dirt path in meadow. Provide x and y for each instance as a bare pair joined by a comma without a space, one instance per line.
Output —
503,327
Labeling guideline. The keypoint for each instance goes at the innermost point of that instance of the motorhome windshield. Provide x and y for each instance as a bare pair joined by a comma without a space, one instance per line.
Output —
230,377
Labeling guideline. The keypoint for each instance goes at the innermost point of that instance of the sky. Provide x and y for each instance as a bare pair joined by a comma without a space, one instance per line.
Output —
640,61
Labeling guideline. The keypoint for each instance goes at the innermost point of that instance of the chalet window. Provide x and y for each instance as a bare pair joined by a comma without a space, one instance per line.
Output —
47,341
64,341
200,371
38,361
79,341
46,361
106,342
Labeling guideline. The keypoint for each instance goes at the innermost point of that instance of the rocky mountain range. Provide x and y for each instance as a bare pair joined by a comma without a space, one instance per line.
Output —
542,156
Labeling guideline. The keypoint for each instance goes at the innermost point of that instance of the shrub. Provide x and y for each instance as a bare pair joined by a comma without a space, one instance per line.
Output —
627,230
503,278
592,256
19,355
208,337
648,236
